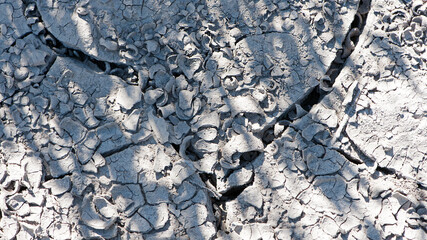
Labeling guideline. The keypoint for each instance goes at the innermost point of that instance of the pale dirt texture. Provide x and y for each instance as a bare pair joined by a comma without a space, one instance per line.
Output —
213,119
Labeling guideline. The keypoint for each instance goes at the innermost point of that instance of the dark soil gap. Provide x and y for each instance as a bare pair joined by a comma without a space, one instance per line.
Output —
175,146
64,51
268,136
348,157
338,64
248,157
22,188
48,177
111,152
192,154
232,194
386,171
208,177
312,99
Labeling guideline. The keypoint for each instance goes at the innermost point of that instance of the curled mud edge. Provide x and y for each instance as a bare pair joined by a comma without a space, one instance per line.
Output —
314,97
242,138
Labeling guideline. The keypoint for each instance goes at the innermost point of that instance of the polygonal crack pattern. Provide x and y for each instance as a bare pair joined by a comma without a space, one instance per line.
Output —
212,119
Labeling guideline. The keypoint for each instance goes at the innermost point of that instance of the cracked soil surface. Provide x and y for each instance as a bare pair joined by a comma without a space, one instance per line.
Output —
213,119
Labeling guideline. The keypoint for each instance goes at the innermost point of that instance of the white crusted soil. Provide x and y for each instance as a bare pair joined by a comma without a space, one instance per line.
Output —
229,119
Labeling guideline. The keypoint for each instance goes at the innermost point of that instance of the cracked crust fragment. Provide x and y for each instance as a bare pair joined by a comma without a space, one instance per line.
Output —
139,155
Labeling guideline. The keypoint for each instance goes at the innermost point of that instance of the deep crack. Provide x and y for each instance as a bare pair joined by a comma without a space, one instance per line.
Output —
120,70
288,161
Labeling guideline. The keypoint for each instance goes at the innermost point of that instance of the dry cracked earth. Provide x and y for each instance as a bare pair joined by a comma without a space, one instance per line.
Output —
213,119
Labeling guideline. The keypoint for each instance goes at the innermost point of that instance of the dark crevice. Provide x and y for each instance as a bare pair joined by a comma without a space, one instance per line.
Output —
109,153
218,204
11,186
22,188
349,157
422,186
326,84
363,157
119,70
176,147
21,37
192,154
248,157
234,192
48,177
358,21
386,171
268,136
48,64
311,99
208,177
338,64
220,215
14,43
240,39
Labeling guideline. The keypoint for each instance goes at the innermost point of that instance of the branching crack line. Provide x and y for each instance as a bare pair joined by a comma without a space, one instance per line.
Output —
313,97
61,50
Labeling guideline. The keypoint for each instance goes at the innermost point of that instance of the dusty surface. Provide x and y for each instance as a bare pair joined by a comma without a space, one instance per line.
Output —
213,119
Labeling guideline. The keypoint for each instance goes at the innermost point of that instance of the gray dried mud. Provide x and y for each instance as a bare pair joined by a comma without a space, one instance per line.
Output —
213,119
